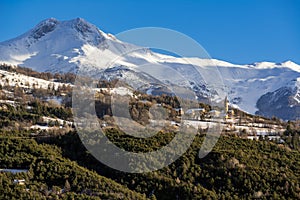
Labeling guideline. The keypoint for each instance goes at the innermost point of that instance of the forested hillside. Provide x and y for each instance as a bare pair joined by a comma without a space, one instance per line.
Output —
37,134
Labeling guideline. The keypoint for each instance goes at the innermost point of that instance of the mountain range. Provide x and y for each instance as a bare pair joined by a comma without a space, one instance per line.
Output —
264,88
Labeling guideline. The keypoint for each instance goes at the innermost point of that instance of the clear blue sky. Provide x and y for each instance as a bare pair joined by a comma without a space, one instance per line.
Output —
237,31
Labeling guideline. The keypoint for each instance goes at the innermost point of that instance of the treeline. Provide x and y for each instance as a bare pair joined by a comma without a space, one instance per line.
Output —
36,110
63,78
16,119
139,106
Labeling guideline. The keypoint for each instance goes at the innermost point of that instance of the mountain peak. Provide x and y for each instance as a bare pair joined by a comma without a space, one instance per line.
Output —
80,20
291,65
48,21
83,26
44,27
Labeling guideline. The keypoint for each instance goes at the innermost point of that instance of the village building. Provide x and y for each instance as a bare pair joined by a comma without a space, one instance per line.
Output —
195,113
19,181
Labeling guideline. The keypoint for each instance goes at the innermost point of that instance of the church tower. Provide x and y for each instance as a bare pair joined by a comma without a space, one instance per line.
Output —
226,102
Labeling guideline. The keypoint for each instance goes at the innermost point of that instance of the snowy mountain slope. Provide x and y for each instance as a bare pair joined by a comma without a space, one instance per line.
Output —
66,46
283,102
60,46
245,84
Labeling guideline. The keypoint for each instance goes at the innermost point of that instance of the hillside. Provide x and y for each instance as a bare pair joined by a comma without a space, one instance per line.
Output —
52,176
37,135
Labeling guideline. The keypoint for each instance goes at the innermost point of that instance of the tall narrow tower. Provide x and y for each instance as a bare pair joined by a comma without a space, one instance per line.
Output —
226,105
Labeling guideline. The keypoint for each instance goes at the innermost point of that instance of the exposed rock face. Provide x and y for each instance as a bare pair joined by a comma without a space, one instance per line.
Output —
281,103
43,28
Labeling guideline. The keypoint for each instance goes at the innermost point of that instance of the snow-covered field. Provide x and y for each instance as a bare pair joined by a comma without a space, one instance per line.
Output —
21,80
251,128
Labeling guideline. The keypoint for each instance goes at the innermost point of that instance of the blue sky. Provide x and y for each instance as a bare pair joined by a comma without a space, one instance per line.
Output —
236,31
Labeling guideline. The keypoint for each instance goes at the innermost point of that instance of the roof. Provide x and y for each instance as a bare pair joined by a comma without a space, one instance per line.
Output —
14,171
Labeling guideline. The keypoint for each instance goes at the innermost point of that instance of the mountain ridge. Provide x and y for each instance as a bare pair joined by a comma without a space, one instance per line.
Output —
65,46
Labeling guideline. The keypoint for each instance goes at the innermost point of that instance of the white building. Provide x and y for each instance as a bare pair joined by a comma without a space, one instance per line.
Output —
19,181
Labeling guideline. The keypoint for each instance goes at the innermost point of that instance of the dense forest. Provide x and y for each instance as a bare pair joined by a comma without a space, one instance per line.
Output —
236,169
51,176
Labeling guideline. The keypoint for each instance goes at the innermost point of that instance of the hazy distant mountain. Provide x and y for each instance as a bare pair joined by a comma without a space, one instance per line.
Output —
64,46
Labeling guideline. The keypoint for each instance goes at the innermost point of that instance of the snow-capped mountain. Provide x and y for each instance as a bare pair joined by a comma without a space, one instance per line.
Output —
66,46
